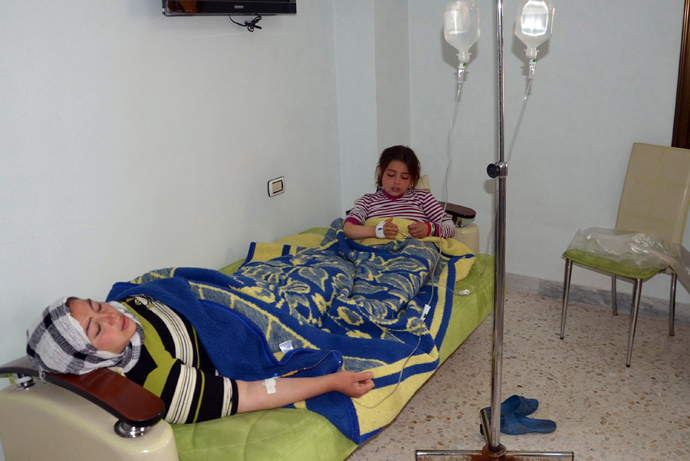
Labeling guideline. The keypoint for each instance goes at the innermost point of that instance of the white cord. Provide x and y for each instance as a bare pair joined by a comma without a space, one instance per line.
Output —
508,157
517,129
402,369
444,188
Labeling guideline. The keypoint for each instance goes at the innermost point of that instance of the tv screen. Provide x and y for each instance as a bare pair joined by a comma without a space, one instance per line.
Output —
228,7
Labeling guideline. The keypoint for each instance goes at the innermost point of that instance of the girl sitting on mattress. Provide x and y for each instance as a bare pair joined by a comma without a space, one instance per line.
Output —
162,353
397,174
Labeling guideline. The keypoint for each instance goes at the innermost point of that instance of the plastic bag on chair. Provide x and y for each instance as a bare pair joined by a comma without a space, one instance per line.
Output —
635,249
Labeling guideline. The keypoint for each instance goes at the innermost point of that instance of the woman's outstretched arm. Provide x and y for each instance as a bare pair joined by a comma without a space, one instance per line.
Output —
257,395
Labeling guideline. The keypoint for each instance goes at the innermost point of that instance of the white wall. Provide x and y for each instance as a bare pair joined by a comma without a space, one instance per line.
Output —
391,38
373,72
356,76
606,79
131,141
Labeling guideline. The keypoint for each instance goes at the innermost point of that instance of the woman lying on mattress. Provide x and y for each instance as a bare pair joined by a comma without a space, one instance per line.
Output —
163,354
397,175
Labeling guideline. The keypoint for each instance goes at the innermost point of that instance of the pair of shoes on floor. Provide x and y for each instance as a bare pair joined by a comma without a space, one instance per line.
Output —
514,420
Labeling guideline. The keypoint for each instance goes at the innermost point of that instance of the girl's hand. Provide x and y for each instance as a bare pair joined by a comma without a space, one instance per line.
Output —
390,230
419,230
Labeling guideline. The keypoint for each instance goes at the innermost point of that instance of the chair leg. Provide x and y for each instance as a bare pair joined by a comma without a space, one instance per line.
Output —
672,306
637,291
566,293
614,296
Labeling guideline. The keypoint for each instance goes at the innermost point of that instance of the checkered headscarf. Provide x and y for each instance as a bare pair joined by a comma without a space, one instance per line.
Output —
57,343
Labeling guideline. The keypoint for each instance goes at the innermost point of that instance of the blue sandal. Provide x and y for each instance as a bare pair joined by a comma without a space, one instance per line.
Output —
514,421
517,424
516,404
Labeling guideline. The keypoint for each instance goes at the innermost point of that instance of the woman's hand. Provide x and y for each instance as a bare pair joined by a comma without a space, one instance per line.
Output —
418,230
353,384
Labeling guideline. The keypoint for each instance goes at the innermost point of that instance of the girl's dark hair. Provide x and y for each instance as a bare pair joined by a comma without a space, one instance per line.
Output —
403,154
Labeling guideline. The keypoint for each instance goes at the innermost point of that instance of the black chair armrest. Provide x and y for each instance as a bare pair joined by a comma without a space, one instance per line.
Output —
458,212
130,403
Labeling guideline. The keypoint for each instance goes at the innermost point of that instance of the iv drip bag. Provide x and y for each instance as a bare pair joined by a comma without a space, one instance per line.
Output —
534,24
461,26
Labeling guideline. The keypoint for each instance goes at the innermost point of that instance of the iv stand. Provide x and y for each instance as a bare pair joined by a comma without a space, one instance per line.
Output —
493,450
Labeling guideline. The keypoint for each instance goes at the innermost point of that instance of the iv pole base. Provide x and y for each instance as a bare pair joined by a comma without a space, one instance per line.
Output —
487,455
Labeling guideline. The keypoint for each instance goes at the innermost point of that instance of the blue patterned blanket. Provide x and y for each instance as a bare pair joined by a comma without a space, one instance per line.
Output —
340,304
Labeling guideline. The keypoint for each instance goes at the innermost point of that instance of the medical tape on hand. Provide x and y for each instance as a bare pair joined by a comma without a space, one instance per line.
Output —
270,384
379,230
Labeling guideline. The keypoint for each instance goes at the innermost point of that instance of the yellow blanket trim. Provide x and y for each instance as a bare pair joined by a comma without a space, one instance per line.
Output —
303,240
442,292
381,407
266,251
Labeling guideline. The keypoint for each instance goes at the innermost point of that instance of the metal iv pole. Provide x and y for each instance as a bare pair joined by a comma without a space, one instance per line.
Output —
493,450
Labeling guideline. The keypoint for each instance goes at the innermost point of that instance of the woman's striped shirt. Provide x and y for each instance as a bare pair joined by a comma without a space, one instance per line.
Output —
175,366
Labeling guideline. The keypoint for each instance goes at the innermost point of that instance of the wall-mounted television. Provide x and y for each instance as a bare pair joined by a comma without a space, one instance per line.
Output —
228,7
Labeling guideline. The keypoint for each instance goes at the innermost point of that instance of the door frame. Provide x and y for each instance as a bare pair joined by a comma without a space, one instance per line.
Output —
681,123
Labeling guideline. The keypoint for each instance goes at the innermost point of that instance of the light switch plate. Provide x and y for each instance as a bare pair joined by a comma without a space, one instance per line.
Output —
276,186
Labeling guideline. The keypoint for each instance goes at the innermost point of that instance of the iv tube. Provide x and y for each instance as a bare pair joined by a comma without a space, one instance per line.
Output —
534,26
461,30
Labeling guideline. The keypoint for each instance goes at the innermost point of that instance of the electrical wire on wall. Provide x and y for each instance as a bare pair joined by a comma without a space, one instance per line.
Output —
250,25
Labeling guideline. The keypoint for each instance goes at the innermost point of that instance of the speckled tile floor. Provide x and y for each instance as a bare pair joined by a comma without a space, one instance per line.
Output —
604,410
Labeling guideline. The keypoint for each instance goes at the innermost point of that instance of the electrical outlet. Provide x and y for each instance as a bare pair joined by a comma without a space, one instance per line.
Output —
276,186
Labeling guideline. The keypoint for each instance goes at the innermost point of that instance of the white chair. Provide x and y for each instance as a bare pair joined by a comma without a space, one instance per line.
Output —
654,201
